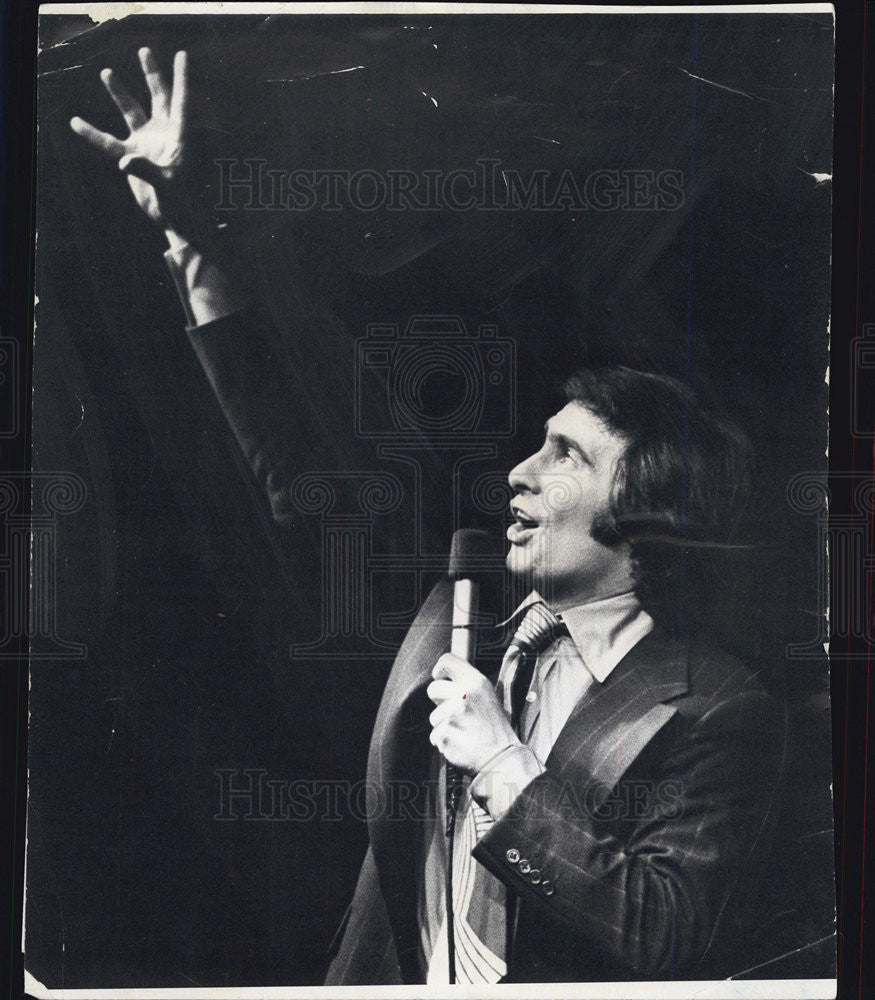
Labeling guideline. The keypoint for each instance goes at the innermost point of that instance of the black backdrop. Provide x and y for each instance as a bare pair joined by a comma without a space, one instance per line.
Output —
188,597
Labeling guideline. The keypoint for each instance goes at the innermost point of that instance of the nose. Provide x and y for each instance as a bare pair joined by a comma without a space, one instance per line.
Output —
523,478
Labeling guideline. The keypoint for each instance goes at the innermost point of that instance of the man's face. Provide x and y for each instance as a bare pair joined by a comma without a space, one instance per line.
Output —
560,491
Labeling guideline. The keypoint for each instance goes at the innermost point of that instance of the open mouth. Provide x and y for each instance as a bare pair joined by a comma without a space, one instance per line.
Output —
523,526
522,518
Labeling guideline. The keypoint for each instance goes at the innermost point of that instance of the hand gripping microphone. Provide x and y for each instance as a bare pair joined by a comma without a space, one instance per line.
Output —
468,560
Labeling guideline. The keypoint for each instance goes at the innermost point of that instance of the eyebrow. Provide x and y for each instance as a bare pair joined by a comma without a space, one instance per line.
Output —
564,441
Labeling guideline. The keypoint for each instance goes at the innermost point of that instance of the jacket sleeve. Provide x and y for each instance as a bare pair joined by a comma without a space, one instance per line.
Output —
645,886
264,400
292,398
241,355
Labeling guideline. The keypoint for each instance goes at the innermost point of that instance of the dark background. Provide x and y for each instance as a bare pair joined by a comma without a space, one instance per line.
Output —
186,594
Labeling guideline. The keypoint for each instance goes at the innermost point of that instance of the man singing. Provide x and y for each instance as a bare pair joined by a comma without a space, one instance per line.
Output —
622,773
620,770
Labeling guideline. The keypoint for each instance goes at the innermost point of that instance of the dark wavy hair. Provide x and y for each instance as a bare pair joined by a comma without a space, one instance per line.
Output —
680,487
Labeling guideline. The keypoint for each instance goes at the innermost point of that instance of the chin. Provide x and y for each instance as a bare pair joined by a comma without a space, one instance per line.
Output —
518,565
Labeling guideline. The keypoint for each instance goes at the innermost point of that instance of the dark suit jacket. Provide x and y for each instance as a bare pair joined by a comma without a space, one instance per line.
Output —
651,821
652,818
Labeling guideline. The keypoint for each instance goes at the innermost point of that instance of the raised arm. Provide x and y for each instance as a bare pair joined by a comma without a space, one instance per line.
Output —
260,395
282,390
155,156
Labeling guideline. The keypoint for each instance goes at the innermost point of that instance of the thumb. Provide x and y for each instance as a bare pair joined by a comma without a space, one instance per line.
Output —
142,167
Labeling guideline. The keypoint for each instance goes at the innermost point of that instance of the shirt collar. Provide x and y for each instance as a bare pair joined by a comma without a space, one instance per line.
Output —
603,631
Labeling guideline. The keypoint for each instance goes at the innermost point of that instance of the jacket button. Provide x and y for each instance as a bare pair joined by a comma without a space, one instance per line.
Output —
525,867
548,887
513,855
534,876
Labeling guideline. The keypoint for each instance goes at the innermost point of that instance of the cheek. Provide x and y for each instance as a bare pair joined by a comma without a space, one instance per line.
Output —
574,522
573,540
563,497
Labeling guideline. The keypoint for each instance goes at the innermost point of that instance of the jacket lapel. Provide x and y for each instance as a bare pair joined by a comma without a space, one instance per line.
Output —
399,754
616,720
427,639
603,736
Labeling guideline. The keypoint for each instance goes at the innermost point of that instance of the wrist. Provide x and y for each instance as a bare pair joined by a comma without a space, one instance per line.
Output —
504,776
206,290
175,241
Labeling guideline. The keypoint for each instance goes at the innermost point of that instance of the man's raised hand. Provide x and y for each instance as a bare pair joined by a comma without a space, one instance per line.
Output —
154,154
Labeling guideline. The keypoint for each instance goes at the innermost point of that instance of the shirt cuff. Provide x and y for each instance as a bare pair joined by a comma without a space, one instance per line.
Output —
203,288
501,779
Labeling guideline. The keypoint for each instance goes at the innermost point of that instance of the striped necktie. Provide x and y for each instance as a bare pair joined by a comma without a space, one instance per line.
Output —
538,630
480,899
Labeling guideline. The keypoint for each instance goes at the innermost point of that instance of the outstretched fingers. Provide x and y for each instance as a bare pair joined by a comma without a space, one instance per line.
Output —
179,96
102,140
155,82
130,108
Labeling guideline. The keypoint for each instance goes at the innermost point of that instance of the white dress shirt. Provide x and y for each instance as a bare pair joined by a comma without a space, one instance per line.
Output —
601,633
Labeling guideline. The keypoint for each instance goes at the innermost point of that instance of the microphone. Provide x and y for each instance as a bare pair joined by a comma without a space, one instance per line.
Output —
469,554
467,564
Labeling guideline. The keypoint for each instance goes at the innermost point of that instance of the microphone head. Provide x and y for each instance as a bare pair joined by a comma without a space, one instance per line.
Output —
470,554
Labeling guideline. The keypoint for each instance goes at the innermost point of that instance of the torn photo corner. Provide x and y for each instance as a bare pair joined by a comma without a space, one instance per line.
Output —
320,286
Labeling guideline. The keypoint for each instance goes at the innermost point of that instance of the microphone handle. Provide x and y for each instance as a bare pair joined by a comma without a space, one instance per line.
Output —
466,601
463,643
466,595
